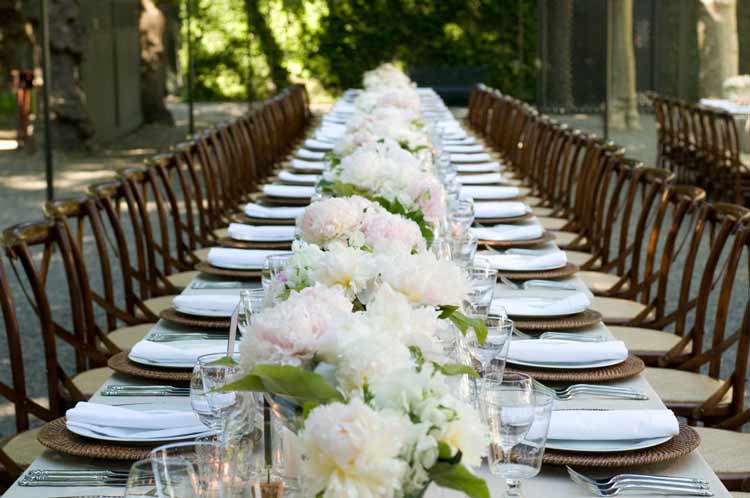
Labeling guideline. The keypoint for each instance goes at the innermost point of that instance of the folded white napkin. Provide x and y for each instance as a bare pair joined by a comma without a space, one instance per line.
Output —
543,260
509,232
554,351
222,305
482,157
281,212
117,421
310,155
566,304
478,167
187,353
262,233
480,192
463,149
454,134
459,141
239,259
335,119
294,191
314,144
478,179
506,209
612,425
288,176
302,165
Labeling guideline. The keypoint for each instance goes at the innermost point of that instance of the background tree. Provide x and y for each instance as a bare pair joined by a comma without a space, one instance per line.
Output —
560,88
623,99
153,28
717,45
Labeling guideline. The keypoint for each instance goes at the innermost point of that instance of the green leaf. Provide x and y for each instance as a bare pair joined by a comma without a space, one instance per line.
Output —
446,310
247,383
444,451
224,360
456,476
464,322
456,369
418,356
296,383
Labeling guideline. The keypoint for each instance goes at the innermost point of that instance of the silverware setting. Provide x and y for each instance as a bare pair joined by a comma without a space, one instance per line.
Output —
185,336
38,478
566,393
201,284
651,484
559,336
145,391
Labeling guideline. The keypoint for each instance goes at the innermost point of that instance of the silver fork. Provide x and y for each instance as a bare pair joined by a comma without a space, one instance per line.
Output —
185,336
566,393
199,284
613,480
649,486
559,336
145,391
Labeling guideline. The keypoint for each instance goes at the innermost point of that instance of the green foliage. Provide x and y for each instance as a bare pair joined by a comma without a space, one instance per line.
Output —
329,43
463,322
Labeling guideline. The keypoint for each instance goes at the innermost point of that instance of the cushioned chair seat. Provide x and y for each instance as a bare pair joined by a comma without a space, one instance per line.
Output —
552,223
126,337
541,211
739,494
23,448
564,239
679,386
645,340
157,304
532,200
182,279
220,233
600,282
89,381
524,191
726,452
617,311
579,257
202,254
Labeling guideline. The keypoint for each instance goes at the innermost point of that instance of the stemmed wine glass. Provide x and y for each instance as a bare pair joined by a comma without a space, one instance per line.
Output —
216,373
518,419
491,355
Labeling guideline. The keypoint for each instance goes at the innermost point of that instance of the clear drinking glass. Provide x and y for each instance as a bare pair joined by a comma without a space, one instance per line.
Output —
199,401
272,267
518,420
482,281
441,248
460,216
216,375
463,249
141,480
188,469
491,355
251,301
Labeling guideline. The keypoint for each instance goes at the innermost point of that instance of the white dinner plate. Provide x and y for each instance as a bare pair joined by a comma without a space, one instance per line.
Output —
520,267
541,308
605,446
149,363
203,312
567,366
103,437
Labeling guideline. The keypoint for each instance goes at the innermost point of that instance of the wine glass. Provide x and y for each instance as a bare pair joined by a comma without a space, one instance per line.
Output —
216,374
199,401
518,420
492,354
188,469
141,480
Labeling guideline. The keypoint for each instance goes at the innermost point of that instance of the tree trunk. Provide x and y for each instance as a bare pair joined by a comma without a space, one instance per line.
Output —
154,64
560,87
718,45
623,100
274,55
72,127
15,43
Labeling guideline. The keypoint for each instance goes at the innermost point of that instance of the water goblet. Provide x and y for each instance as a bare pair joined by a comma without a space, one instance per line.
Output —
464,248
273,268
188,469
460,216
482,280
141,481
492,354
215,374
199,401
441,248
251,301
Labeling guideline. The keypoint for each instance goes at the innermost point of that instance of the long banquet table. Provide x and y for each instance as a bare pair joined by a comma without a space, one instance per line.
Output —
552,481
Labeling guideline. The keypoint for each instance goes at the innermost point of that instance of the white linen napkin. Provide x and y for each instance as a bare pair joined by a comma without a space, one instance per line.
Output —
454,134
543,260
121,422
459,141
463,149
262,233
506,209
470,158
281,212
509,232
478,167
479,179
294,191
314,144
222,305
187,353
302,165
310,155
239,259
290,177
612,425
555,351
486,192
566,304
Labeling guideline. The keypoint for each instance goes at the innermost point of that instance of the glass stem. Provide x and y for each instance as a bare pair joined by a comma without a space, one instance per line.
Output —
513,488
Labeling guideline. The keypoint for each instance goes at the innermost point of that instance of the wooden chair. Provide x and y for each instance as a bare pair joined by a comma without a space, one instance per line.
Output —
19,449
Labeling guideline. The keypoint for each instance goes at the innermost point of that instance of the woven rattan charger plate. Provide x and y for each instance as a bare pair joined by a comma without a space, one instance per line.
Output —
56,436
204,322
250,220
630,367
566,271
682,444
507,244
581,320
499,221
206,267
246,244
283,201
120,363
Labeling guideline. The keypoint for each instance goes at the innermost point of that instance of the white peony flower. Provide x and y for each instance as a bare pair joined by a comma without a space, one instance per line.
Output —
332,220
349,268
351,450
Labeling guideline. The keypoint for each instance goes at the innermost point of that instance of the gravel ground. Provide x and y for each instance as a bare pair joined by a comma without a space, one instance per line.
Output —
22,193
